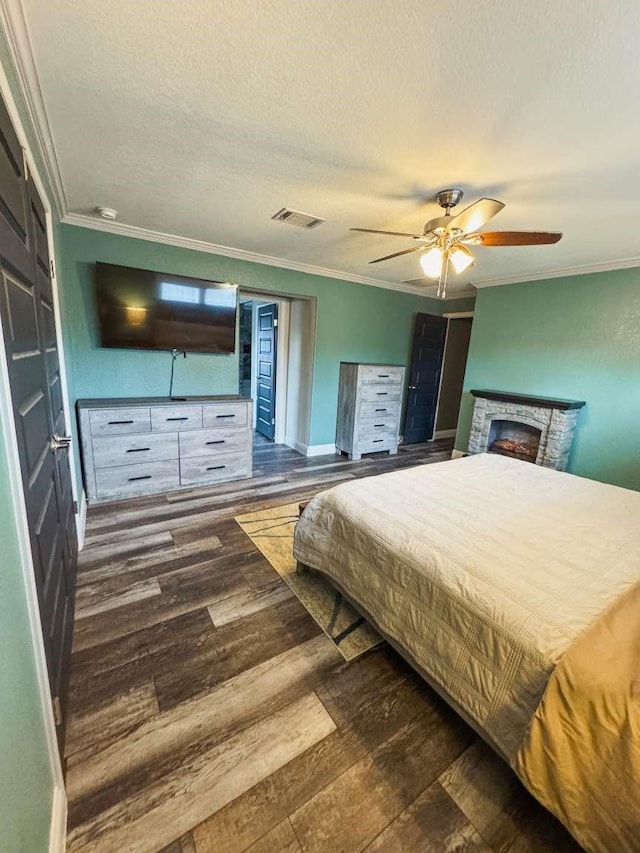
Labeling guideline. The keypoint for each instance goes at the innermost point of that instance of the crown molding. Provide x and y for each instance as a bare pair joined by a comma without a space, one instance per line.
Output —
565,272
15,28
123,230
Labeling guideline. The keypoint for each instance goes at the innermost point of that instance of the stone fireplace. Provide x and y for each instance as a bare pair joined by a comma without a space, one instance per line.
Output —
533,429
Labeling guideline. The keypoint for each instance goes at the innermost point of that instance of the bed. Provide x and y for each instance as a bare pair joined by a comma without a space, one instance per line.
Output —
515,591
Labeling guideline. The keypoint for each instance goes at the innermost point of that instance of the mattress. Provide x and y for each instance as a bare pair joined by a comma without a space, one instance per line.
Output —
484,569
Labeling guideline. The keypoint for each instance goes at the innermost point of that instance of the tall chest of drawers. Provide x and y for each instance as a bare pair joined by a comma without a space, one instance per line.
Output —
142,446
369,402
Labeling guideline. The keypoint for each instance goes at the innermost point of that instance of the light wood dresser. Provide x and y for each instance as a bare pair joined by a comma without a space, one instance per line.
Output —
144,445
369,402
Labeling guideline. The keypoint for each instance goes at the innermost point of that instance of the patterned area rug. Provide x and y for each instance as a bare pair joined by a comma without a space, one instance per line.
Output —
271,530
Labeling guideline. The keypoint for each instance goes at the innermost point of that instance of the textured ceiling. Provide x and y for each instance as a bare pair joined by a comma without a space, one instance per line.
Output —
202,119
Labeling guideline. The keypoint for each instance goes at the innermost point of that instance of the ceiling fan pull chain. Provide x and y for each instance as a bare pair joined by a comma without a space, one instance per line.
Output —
442,283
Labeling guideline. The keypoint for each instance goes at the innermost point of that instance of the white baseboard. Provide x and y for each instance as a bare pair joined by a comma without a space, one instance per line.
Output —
310,449
457,454
81,520
321,449
58,826
298,446
445,433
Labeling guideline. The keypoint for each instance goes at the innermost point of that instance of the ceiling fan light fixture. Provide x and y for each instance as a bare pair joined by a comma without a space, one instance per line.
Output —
440,243
431,262
461,258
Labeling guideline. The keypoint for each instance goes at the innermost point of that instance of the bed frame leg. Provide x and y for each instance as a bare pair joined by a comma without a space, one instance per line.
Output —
301,569
302,506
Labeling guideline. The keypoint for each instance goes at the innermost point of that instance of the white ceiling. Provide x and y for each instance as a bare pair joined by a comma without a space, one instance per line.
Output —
202,119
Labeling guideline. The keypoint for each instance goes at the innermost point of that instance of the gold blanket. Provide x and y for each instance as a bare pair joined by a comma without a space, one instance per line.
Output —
581,754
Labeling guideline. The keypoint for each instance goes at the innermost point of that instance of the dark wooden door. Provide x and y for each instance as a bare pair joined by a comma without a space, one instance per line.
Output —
29,332
267,345
424,377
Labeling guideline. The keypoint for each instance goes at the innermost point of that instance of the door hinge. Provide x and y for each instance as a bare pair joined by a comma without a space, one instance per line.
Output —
75,507
53,269
275,323
273,421
25,164
57,710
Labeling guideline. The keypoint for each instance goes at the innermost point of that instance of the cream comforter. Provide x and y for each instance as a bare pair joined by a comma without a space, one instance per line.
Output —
485,569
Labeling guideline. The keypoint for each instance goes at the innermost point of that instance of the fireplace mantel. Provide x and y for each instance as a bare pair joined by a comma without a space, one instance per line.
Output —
529,400
554,420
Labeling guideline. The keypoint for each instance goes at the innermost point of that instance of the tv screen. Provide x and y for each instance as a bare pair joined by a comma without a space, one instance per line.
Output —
140,309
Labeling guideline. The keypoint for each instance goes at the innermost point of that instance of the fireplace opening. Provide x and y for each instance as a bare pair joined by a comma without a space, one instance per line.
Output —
511,438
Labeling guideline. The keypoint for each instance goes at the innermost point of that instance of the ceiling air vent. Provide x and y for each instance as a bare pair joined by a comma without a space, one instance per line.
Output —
296,217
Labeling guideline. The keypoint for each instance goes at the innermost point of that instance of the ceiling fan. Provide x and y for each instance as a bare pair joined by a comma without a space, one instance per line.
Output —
444,239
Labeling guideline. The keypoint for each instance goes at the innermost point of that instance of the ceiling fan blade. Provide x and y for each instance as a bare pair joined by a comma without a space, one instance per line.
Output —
475,216
391,233
518,238
396,254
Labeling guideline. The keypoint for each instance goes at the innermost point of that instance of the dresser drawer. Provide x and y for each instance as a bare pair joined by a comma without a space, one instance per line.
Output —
374,429
129,480
380,410
381,393
224,415
201,442
213,469
374,375
119,421
109,451
372,444
176,418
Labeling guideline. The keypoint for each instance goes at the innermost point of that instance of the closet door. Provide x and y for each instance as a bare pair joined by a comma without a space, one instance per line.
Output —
429,339
29,332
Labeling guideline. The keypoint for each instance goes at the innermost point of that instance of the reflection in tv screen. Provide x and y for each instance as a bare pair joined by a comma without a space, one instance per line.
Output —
141,309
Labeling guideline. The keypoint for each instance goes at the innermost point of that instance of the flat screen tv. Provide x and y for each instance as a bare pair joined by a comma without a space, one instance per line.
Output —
140,309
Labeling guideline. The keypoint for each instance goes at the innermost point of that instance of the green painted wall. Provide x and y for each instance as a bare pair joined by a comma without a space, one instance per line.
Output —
26,785
355,322
578,338
26,780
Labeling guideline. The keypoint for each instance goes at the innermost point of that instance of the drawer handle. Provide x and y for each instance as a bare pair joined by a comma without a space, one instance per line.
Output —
381,410
219,441
382,393
144,477
183,418
137,449
378,425
383,376
117,423
377,440
216,467
225,416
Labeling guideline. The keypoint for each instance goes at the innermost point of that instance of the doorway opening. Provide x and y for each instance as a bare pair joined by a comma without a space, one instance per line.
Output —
436,376
260,345
275,365
264,348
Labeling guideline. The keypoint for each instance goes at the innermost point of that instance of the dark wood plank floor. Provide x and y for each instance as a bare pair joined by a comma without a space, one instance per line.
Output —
256,735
